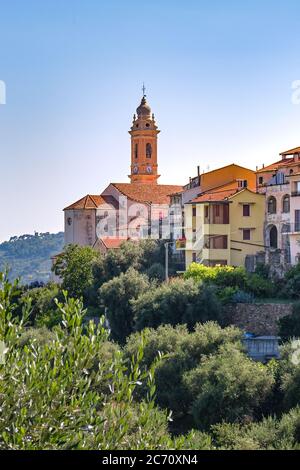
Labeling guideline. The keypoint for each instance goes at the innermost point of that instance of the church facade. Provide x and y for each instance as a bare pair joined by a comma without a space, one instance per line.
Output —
122,211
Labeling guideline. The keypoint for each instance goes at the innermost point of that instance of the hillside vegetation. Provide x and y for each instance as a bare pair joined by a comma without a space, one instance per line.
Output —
29,256
170,372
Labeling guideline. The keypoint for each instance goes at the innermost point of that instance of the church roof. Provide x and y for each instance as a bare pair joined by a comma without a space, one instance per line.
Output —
139,192
148,193
144,109
87,202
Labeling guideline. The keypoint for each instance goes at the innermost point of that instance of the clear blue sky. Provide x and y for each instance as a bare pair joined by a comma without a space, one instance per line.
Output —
218,76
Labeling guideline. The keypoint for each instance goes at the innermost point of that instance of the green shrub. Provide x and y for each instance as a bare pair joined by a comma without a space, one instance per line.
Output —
227,386
196,440
269,434
291,287
49,319
177,302
222,276
233,436
263,270
225,295
259,286
117,297
241,297
139,256
181,352
41,336
289,374
291,389
226,277
156,272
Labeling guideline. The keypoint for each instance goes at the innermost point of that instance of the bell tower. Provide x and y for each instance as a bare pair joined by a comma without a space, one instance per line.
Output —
144,132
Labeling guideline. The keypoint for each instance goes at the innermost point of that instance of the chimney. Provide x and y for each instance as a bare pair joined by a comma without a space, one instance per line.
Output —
199,175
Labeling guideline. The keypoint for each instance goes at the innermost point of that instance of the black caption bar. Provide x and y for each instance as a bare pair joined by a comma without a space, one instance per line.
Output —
136,459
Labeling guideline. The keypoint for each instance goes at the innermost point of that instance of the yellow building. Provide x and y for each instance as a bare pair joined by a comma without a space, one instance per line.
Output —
224,225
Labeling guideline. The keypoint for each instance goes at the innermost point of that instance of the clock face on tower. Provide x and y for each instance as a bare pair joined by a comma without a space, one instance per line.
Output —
135,170
149,169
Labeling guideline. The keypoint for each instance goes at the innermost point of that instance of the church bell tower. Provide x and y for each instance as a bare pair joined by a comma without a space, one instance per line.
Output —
144,132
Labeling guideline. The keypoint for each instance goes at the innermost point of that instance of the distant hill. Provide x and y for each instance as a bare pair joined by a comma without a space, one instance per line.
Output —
29,256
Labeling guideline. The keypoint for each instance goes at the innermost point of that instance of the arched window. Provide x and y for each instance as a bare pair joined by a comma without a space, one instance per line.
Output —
136,150
148,150
286,204
272,205
273,237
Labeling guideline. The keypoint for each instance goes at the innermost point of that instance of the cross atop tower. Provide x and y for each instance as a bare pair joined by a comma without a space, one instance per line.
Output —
144,89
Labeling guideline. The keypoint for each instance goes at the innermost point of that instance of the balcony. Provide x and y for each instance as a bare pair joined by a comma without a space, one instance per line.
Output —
216,214
295,193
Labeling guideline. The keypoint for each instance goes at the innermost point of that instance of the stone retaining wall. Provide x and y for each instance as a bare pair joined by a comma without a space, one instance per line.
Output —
260,319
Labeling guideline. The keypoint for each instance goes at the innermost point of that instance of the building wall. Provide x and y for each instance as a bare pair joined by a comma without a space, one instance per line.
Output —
80,227
197,231
294,236
216,178
268,175
132,221
295,248
255,222
280,219
225,175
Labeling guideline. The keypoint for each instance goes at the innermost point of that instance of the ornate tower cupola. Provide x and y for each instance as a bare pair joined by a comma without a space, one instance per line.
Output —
144,132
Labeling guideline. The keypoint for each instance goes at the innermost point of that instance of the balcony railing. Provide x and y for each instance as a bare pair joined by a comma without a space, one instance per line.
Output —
295,193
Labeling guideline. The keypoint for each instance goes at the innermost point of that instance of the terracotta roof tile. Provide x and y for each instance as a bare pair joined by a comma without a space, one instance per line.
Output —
148,193
87,202
215,196
287,162
291,152
91,202
221,193
113,242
